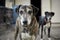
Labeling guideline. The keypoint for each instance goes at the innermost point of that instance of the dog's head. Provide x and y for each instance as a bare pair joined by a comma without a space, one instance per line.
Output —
49,15
26,12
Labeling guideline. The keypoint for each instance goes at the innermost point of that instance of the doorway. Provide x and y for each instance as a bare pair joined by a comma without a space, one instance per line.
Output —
37,3
2,2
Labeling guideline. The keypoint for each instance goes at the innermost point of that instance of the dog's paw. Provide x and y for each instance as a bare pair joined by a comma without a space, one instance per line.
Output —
49,38
41,39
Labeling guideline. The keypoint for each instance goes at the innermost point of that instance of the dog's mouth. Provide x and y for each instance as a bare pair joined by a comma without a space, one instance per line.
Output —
25,25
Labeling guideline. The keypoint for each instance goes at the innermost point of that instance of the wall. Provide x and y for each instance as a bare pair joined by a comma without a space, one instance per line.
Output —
9,3
56,9
45,6
18,2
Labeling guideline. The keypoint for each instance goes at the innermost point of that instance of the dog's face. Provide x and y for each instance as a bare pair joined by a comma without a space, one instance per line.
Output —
25,13
49,15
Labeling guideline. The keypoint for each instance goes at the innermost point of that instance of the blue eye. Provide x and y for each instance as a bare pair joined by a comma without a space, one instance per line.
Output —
21,12
29,12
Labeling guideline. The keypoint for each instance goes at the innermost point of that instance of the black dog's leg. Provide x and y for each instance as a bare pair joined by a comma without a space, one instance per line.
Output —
41,31
49,32
49,29
49,37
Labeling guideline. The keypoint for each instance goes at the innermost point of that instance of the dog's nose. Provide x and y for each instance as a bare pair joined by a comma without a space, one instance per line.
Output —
25,22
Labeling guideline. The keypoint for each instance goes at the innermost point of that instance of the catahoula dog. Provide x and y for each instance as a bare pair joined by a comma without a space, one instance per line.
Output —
26,23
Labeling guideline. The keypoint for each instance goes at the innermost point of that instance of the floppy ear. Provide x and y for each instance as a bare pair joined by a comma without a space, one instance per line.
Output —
52,13
46,13
17,9
35,9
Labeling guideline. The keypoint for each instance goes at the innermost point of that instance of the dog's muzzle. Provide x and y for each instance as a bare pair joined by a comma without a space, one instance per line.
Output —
25,23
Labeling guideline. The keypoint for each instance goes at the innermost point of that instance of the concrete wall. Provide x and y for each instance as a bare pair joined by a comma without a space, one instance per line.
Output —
45,6
10,3
55,8
18,2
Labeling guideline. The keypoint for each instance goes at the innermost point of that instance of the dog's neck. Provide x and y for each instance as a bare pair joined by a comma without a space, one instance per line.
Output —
30,27
32,22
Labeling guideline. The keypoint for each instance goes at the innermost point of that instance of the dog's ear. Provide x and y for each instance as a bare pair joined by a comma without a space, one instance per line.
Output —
17,9
49,13
52,13
35,9
46,13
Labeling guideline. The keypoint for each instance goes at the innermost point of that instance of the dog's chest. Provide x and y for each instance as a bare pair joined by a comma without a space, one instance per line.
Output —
48,24
25,35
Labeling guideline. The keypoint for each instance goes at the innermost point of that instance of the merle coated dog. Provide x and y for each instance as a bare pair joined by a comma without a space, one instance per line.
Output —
26,23
46,21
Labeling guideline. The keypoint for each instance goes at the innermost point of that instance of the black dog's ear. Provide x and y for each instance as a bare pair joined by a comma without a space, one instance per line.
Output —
52,13
35,9
17,9
46,13
49,13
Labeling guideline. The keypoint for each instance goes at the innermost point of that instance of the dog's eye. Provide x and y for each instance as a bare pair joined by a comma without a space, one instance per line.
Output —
29,12
21,12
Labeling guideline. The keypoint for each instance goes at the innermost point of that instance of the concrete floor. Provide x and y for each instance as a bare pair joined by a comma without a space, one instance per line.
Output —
8,34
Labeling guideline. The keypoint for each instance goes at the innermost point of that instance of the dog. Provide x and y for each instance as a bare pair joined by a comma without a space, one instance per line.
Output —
46,21
26,23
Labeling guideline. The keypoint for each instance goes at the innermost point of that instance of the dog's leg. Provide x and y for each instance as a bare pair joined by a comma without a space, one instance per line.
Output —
45,30
20,37
16,34
41,32
49,34
49,29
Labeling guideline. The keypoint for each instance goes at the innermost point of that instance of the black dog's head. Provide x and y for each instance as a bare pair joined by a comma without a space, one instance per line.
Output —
26,12
49,15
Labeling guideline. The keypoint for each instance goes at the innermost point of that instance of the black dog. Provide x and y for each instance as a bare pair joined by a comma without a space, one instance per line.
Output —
44,20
